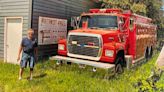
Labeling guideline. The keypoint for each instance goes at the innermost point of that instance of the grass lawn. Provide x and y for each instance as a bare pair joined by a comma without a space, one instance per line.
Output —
49,78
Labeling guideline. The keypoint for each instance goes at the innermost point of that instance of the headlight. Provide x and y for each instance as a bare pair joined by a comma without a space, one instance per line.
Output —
60,47
109,53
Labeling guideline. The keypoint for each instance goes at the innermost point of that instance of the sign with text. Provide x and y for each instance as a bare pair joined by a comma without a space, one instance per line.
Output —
50,30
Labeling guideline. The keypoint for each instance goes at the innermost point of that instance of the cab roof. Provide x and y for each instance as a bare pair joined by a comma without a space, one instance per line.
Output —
111,12
108,14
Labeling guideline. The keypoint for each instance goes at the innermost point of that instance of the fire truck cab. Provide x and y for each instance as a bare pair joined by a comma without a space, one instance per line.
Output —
109,36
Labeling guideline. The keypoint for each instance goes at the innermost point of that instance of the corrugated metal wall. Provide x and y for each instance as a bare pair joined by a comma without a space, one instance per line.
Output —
58,9
13,8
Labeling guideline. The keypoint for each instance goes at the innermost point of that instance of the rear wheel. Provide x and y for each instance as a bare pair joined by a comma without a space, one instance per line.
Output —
147,54
151,52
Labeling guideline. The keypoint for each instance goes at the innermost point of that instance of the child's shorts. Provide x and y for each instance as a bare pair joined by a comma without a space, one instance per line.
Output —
27,59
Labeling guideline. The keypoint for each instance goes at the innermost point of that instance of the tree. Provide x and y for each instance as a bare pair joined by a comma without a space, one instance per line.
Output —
134,5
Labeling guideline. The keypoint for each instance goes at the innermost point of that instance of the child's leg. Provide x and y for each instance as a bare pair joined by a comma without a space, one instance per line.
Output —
23,65
21,73
31,71
31,64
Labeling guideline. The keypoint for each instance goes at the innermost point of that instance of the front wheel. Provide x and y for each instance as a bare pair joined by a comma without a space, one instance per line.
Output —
119,69
119,66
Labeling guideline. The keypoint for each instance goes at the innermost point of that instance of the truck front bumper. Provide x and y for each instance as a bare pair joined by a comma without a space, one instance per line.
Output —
84,62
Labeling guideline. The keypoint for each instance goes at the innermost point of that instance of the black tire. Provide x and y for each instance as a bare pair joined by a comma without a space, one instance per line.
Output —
151,53
119,65
147,54
69,63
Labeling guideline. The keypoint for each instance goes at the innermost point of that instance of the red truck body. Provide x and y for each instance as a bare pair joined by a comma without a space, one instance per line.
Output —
106,34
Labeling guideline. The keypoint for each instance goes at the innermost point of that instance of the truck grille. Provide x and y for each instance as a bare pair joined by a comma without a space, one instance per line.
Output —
84,45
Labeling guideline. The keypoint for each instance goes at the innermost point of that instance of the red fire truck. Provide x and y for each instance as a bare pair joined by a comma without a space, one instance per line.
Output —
107,38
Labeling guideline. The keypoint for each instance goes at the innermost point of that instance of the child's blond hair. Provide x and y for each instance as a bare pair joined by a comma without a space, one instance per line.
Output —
30,31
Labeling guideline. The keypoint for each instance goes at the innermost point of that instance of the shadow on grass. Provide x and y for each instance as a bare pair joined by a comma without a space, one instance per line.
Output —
38,76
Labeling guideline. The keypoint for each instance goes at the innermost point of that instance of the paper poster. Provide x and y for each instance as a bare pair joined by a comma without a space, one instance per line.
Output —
51,30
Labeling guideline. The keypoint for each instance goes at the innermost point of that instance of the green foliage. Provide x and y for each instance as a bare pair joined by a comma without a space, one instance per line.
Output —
151,83
50,78
138,8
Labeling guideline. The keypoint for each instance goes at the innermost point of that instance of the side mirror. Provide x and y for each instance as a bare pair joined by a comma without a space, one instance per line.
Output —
120,23
131,24
75,21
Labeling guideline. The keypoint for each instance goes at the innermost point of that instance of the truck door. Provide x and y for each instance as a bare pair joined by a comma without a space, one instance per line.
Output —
123,31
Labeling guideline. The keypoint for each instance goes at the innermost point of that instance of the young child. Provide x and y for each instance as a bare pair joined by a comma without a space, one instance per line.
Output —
28,48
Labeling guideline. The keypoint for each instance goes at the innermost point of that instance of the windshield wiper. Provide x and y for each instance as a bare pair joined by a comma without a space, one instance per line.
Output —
94,27
103,28
111,28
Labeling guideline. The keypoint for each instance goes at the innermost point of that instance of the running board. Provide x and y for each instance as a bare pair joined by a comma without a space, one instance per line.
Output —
84,62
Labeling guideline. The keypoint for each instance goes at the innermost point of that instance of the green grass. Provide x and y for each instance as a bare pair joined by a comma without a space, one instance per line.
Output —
50,78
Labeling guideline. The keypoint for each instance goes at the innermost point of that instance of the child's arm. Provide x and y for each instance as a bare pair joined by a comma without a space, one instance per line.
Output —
19,53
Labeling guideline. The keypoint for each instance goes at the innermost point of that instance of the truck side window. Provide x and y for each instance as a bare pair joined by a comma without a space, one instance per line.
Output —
131,24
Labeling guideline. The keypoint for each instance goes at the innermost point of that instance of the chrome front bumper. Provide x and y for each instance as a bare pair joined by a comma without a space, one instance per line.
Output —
84,62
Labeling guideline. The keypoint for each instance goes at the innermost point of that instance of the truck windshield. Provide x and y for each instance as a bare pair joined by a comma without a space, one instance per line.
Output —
100,21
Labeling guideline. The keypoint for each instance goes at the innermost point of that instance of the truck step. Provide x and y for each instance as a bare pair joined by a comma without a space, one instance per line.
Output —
85,62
